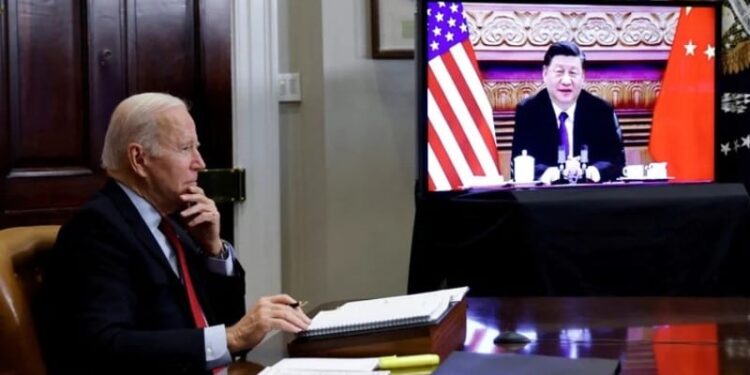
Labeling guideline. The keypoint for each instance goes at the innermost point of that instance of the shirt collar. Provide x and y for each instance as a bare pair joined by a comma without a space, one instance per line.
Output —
148,212
570,111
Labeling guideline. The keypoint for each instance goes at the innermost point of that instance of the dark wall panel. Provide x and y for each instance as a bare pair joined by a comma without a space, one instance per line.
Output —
64,66
162,46
48,70
107,61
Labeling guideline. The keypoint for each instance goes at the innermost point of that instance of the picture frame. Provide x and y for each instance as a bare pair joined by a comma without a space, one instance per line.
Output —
392,28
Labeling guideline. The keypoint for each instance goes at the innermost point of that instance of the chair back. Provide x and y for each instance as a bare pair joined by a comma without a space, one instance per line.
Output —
23,254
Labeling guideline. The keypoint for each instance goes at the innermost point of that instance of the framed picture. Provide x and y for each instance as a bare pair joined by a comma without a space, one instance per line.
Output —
393,28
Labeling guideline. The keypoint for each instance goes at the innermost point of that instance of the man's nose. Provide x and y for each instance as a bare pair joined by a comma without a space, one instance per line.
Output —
198,162
566,79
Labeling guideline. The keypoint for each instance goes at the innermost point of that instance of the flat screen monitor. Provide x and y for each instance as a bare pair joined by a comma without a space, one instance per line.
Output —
525,94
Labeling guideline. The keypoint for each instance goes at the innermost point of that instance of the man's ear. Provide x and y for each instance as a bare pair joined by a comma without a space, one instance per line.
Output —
137,159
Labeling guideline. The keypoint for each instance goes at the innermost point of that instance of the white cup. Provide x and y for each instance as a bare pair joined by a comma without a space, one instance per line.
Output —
523,168
656,170
633,171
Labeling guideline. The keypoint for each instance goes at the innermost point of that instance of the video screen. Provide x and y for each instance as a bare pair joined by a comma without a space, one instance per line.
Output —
537,94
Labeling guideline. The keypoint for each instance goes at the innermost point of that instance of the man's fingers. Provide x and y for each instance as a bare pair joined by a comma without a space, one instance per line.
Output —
197,199
196,189
205,217
285,326
288,319
281,298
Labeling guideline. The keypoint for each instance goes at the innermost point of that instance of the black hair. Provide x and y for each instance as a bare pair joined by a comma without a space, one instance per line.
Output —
563,48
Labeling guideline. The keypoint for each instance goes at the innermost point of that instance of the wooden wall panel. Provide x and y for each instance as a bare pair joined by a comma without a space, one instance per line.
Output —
46,75
64,66
212,108
4,95
161,46
107,62
46,166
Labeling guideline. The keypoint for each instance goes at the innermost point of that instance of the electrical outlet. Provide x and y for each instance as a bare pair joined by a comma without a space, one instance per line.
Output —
289,87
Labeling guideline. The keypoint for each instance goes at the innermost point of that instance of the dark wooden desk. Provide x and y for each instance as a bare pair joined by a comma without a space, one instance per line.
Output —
612,240
664,336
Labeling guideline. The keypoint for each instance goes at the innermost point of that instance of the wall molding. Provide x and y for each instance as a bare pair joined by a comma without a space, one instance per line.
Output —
256,143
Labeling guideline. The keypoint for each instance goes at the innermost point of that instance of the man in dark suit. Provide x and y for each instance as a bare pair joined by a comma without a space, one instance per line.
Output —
564,117
140,280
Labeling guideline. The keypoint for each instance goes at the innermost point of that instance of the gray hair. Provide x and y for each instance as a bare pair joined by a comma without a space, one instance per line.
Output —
135,120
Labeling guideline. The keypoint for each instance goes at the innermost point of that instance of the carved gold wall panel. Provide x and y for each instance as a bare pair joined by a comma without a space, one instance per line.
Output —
623,94
607,29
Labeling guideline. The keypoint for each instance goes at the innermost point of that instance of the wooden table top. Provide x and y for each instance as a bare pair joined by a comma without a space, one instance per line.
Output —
654,335
650,335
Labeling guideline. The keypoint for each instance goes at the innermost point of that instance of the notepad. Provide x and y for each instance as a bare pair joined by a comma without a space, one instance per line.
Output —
380,313
325,366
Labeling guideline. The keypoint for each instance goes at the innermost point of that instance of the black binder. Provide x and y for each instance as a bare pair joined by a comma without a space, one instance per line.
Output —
518,364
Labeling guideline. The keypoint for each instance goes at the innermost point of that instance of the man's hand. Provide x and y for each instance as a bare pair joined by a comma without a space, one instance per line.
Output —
203,220
572,171
592,174
267,314
550,175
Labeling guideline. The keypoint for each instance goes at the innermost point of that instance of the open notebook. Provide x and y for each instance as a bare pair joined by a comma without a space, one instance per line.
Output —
380,313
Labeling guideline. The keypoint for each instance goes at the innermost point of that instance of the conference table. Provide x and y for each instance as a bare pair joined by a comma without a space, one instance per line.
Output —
649,335
658,239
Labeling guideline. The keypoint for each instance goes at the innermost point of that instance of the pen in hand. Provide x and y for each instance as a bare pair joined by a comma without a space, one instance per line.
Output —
298,304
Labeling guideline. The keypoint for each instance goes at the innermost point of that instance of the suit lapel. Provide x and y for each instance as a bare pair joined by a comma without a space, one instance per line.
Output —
550,126
579,127
137,225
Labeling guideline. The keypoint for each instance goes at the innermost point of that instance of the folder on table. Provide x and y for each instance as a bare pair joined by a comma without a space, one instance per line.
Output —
433,322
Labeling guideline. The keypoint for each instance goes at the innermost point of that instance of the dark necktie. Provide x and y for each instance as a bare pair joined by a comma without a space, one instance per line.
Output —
195,307
564,142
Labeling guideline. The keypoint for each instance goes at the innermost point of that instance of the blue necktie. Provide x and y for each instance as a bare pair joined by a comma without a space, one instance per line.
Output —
564,143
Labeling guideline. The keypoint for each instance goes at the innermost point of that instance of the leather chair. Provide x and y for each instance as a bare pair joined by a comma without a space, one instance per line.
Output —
23,251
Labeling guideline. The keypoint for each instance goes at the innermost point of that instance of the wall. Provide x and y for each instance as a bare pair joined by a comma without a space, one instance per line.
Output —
347,154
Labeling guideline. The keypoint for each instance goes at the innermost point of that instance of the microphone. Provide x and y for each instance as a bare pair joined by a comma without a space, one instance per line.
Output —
584,161
584,156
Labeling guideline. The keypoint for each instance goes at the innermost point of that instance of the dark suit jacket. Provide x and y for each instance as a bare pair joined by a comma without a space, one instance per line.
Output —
116,305
595,126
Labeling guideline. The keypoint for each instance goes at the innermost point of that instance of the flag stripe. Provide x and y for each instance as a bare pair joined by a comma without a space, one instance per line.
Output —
467,63
458,107
431,185
471,54
438,178
445,136
468,94
445,107
443,159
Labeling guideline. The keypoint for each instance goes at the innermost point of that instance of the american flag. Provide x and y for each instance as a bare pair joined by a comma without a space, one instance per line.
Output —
461,145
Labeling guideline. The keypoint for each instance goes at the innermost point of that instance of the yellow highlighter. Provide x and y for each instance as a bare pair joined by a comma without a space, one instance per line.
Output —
410,364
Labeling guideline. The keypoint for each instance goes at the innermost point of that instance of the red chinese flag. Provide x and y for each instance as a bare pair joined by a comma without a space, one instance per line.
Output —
682,133
690,349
